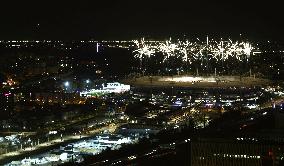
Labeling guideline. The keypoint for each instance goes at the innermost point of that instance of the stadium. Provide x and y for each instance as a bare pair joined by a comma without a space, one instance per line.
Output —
197,82
209,63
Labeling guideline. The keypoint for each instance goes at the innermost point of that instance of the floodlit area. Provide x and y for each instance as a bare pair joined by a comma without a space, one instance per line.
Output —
74,151
197,81
189,79
114,87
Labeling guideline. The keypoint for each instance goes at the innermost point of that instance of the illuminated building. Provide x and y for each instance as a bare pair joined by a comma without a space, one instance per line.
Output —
114,87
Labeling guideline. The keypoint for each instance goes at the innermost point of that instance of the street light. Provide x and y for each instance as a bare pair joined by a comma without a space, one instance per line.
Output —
66,84
87,81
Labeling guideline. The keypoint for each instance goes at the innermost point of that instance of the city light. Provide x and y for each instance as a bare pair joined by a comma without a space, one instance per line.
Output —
66,84
149,83
189,79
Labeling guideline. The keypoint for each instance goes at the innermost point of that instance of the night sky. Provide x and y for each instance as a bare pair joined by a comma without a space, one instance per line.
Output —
118,19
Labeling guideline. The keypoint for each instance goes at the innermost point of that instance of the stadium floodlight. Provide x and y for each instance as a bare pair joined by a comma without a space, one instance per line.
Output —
66,84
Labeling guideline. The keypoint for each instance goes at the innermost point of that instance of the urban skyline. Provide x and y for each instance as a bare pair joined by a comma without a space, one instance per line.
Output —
141,83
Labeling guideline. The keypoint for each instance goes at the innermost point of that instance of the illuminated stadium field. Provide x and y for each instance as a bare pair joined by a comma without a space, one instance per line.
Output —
196,82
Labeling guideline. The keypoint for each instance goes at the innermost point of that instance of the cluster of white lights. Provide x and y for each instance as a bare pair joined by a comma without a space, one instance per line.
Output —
238,156
190,51
189,79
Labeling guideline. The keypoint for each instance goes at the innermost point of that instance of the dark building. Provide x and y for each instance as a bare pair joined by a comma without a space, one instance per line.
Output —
223,152
279,118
